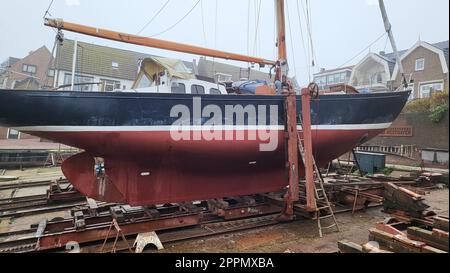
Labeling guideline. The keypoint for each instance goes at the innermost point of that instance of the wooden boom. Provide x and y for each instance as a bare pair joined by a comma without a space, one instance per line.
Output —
150,42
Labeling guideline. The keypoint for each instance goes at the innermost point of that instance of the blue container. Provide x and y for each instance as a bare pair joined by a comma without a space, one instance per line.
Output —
371,162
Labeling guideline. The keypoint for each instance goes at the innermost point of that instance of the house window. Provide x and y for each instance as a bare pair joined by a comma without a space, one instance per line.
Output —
379,78
13,134
28,68
109,85
321,81
214,91
51,72
115,65
330,79
426,90
178,88
197,89
343,78
420,64
83,80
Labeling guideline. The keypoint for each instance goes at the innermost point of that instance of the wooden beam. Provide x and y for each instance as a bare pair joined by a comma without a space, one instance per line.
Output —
151,42
434,239
440,222
400,244
349,247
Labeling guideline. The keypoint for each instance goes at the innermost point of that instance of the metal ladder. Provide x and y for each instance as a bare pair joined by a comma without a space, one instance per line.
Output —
320,194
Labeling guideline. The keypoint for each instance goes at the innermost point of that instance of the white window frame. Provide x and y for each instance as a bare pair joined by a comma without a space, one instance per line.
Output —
115,65
82,88
422,84
26,68
115,84
423,64
51,72
8,133
412,96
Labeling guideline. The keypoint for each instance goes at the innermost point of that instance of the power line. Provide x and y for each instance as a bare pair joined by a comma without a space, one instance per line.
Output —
359,53
179,21
154,17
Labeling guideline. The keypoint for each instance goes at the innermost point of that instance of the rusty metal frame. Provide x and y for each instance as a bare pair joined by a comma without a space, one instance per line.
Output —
100,232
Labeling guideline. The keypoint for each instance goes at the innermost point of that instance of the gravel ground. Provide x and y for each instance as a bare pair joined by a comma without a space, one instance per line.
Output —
301,236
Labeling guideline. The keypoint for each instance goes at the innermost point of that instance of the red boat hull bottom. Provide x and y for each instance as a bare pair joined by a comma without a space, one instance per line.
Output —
147,168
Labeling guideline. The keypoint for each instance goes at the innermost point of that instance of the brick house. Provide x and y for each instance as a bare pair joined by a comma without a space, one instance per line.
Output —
36,65
427,67
32,72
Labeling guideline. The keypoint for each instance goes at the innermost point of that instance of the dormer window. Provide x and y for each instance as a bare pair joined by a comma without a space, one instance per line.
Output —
420,64
115,65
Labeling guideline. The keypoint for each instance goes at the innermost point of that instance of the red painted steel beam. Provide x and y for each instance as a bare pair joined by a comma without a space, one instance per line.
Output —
292,150
307,144
98,233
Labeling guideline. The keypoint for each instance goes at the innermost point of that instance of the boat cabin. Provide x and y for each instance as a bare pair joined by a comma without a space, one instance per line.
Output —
166,75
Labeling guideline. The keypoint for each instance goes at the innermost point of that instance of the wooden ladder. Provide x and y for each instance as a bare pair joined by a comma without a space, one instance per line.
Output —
324,204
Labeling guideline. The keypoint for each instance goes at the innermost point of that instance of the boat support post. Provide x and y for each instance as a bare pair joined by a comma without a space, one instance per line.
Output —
292,195
307,94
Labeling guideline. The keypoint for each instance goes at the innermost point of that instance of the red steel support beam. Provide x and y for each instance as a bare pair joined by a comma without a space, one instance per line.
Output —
99,233
307,144
292,150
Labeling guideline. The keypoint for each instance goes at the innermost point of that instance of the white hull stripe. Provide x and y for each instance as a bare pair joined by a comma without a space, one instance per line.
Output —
340,127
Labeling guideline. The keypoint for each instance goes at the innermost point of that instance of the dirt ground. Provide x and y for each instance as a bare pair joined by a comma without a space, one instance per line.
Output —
300,236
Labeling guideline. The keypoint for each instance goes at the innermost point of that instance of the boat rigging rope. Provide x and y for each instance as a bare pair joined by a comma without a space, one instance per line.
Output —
292,43
248,27
50,62
153,18
48,9
359,53
303,39
307,14
258,10
178,22
203,25
215,37
308,10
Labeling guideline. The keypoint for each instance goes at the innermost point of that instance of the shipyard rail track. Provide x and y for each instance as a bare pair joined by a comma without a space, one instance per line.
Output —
90,221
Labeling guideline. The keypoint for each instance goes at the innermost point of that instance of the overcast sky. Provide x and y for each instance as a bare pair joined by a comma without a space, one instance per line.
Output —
340,28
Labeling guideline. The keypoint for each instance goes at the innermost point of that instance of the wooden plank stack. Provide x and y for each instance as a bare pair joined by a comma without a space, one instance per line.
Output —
386,238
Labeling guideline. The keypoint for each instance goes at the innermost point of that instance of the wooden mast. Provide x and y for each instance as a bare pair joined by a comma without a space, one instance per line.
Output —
282,69
151,42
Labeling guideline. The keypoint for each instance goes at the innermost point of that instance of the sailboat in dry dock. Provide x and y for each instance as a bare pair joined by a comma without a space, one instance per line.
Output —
174,138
